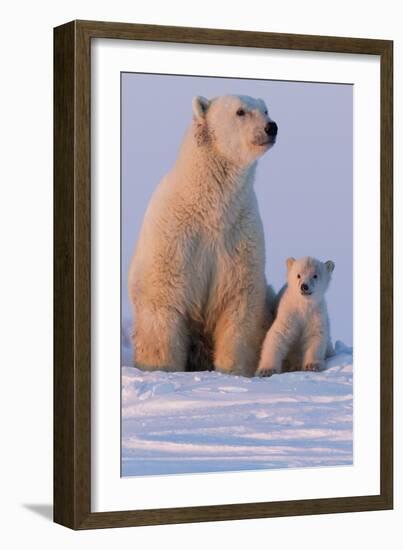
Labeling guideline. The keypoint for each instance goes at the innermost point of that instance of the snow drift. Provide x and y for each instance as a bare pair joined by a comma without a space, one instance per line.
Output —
208,422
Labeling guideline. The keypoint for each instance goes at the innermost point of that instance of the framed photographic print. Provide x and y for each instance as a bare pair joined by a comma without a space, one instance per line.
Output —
222,275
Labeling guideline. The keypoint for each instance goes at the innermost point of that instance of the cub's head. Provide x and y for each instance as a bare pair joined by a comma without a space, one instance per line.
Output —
238,127
308,277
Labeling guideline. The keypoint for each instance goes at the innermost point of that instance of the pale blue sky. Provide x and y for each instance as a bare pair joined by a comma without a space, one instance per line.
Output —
304,184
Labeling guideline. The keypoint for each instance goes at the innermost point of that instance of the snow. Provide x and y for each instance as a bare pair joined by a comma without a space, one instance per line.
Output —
207,421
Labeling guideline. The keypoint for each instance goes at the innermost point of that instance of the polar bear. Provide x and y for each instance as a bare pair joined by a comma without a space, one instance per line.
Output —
299,337
196,280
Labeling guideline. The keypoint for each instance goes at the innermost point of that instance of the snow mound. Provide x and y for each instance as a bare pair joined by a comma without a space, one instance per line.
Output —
209,422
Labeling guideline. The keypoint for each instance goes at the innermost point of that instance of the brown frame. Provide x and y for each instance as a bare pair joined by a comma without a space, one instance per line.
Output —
72,292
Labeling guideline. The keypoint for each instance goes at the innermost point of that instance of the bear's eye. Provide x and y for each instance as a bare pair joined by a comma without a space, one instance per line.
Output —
315,276
240,112
299,276
266,112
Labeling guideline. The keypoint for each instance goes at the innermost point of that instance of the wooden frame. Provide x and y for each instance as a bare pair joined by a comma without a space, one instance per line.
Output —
72,296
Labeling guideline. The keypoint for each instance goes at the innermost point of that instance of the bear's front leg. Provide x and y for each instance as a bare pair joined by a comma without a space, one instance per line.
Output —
160,339
314,356
275,348
241,299
237,342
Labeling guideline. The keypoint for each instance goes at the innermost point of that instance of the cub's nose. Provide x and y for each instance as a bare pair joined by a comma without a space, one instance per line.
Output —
304,287
271,129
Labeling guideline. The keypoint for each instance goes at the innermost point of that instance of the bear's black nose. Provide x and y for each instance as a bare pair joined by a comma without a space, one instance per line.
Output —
271,129
304,287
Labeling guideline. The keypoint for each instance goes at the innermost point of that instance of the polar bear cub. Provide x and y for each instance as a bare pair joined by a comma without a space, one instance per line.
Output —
299,338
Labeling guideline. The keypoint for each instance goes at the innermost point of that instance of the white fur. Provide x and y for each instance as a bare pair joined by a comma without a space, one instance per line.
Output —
299,337
198,269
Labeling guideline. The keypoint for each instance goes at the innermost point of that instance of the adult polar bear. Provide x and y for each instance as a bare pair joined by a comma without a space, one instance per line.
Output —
196,280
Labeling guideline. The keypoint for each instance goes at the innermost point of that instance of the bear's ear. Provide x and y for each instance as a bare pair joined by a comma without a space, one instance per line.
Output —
290,263
200,105
330,266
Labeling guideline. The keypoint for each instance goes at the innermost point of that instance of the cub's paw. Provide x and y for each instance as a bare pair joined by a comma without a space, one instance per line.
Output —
315,366
264,372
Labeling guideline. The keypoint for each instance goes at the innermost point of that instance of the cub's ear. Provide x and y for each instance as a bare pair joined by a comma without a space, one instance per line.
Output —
290,263
200,105
330,266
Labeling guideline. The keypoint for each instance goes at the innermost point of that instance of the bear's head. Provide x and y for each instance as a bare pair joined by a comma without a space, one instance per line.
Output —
237,127
308,277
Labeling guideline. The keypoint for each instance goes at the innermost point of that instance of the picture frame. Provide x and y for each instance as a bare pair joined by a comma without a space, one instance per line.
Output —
73,270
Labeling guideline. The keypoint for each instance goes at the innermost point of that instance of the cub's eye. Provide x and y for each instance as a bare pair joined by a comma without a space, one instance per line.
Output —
240,112
299,276
266,112
315,276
